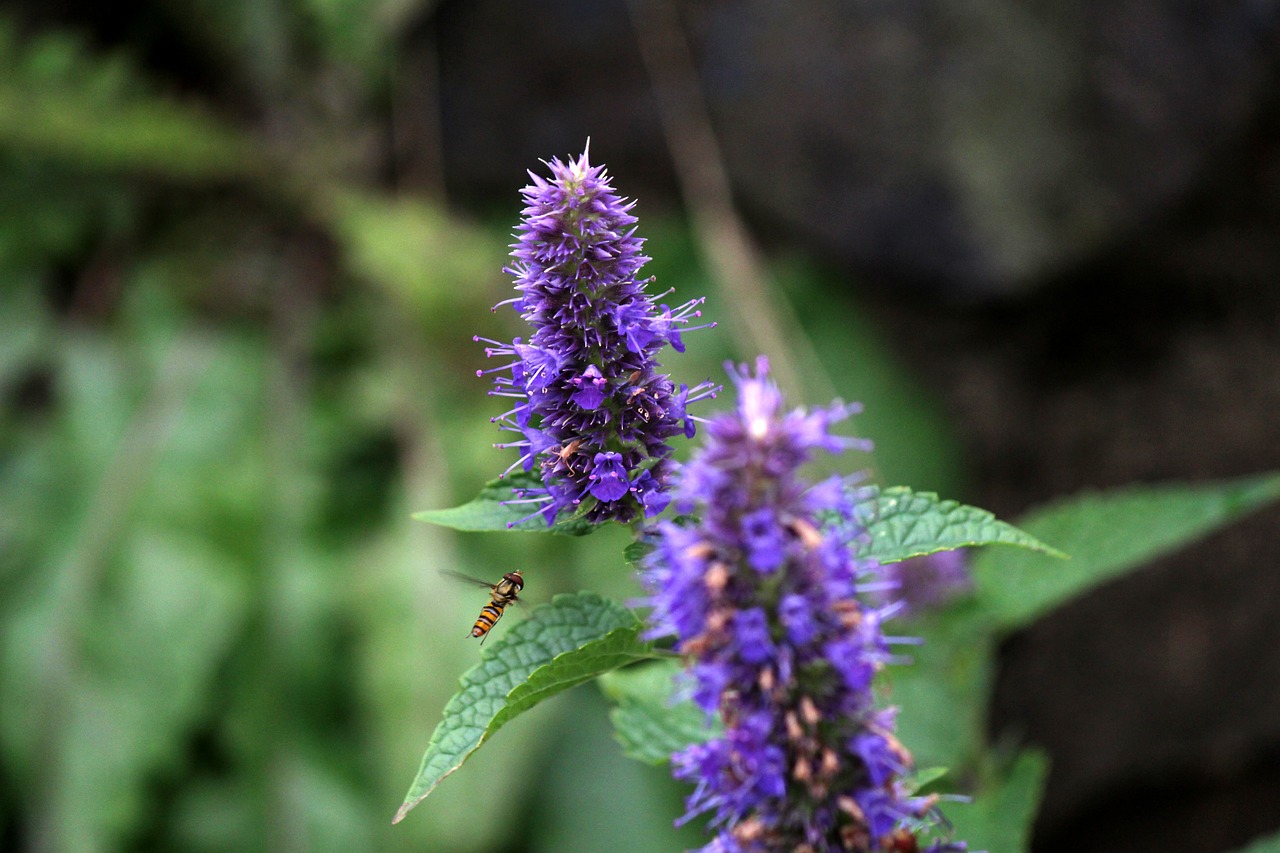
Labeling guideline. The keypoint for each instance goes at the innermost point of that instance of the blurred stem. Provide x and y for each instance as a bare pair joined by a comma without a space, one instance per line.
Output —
292,322
762,322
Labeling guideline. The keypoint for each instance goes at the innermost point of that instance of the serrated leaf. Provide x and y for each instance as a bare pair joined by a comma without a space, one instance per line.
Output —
497,507
903,524
648,721
562,644
1108,533
1001,814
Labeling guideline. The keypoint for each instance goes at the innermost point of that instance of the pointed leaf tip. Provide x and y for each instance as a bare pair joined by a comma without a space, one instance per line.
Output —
903,523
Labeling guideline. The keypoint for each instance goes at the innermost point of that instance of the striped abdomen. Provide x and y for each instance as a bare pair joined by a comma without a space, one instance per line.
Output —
489,616
502,593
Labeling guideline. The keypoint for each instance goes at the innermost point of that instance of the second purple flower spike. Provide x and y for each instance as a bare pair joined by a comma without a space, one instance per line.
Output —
764,597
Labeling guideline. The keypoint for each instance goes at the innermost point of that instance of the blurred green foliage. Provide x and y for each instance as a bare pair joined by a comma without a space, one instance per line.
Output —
233,361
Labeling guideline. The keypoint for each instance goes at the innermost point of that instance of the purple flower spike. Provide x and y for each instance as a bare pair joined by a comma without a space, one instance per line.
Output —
594,410
764,596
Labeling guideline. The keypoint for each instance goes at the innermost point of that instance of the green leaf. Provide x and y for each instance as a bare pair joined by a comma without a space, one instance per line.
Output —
1108,533
1002,812
905,524
942,694
428,260
922,778
490,511
637,551
647,721
580,787
117,623
1266,844
647,542
59,100
561,645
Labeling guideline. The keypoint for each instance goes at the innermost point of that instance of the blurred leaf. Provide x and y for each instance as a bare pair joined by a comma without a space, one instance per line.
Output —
25,334
920,779
1002,812
58,100
1266,844
904,524
49,213
149,657
117,622
562,644
942,694
496,508
1108,533
151,661
637,551
362,31
648,720
590,798
413,249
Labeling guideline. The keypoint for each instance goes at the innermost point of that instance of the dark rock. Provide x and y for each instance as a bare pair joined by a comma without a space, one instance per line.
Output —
976,147
979,145
523,82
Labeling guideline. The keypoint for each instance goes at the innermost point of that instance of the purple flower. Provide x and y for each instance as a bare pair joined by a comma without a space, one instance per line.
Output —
797,618
765,539
608,477
928,582
751,630
593,410
764,596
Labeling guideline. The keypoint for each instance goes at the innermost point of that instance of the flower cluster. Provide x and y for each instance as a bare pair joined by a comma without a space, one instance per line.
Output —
593,412
762,593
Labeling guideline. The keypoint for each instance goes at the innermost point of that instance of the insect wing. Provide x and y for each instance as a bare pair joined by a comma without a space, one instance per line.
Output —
467,578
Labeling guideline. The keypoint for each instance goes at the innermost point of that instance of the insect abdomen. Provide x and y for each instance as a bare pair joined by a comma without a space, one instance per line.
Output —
488,616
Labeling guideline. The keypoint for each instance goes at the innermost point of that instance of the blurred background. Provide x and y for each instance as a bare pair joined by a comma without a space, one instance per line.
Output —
244,245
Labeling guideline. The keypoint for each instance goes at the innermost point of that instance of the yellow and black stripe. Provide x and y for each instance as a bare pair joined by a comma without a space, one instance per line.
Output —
502,593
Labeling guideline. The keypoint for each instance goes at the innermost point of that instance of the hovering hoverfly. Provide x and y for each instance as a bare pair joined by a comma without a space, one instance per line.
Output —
502,593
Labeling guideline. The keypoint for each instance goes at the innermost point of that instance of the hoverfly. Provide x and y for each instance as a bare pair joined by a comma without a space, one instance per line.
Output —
502,593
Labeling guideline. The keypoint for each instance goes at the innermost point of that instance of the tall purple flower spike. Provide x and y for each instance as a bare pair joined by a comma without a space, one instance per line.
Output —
764,596
592,412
